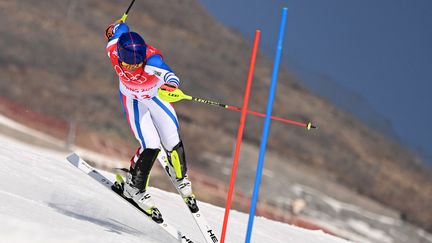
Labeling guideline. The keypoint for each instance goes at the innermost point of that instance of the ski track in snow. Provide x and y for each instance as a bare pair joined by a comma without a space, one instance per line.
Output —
44,199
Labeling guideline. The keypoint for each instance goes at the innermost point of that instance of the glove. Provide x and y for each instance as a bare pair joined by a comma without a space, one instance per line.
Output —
109,31
169,87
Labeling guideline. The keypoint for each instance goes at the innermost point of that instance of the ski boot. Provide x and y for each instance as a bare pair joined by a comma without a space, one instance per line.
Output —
141,199
184,186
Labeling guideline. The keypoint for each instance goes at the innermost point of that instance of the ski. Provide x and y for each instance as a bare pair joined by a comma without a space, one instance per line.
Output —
79,163
197,215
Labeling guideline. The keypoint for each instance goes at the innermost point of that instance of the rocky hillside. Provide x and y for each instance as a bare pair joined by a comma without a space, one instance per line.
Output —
53,61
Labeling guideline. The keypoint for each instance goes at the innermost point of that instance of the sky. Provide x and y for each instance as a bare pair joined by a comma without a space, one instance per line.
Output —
46,199
372,58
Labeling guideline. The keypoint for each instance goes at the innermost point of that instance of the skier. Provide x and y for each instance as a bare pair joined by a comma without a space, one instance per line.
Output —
142,71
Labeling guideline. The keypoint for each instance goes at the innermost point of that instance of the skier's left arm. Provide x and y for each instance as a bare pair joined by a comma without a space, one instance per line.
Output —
156,66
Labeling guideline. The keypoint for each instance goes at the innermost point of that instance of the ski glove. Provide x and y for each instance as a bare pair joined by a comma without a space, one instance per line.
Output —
169,87
109,31
115,30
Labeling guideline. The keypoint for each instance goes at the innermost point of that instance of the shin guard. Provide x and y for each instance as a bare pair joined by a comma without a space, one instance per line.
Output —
142,168
177,159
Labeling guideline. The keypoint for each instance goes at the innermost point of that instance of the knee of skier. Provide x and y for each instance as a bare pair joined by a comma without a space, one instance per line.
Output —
170,142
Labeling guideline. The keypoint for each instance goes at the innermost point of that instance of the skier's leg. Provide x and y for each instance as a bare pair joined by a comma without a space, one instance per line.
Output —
165,120
141,164
140,122
141,170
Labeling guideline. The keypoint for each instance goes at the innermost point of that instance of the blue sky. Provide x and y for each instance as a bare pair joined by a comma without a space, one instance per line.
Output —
379,50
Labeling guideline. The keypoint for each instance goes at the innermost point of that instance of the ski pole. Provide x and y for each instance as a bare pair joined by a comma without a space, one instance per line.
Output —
123,18
109,30
178,95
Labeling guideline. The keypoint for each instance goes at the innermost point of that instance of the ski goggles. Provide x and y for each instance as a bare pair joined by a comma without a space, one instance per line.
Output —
131,66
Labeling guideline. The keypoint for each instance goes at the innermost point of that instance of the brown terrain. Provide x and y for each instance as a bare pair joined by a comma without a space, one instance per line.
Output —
53,62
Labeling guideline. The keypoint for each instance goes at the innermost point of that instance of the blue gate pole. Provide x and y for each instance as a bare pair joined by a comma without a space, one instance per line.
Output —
266,127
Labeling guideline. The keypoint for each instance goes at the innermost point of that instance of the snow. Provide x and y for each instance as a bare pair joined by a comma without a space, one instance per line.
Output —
339,206
364,228
45,199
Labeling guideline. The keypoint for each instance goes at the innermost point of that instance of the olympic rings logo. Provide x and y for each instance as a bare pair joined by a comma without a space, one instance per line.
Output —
129,77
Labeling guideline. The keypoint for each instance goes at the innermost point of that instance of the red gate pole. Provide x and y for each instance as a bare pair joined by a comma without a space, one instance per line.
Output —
240,134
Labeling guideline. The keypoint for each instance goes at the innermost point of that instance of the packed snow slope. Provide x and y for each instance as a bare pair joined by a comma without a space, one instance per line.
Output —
45,199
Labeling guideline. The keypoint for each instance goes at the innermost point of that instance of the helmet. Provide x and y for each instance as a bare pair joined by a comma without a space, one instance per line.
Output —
131,48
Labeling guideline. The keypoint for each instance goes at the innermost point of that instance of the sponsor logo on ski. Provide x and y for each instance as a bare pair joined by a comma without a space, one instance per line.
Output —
212,236
186,239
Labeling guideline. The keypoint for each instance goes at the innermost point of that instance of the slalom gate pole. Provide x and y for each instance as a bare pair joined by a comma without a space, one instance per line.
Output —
240,134
266,127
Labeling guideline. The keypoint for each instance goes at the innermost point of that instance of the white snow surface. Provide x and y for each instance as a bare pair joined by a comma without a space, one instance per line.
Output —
45,199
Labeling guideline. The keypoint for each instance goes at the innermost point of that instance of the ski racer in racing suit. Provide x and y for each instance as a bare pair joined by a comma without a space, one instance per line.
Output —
142,71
